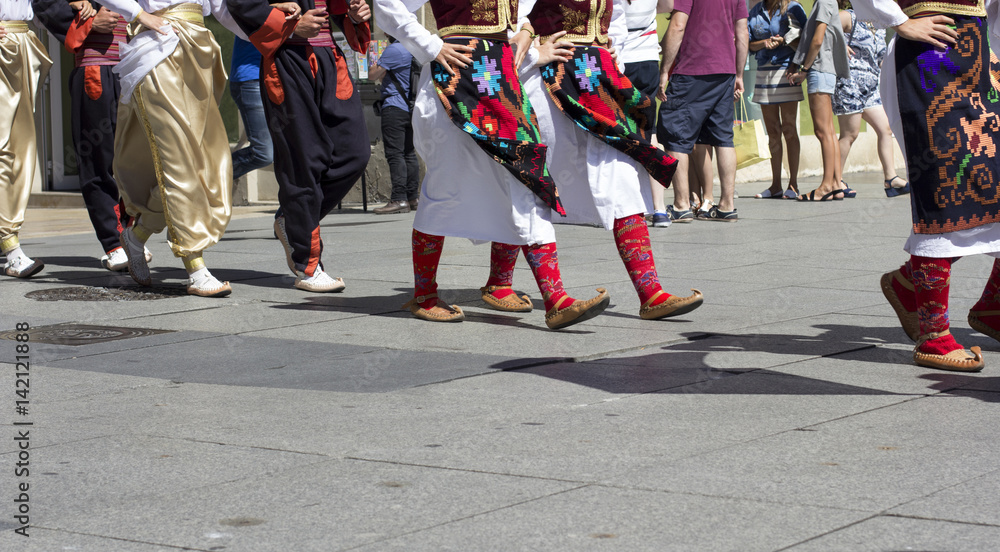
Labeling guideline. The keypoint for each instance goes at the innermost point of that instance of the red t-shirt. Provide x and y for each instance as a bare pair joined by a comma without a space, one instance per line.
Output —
709,46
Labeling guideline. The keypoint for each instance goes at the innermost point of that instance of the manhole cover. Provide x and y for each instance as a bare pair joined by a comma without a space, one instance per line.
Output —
121,293
81,334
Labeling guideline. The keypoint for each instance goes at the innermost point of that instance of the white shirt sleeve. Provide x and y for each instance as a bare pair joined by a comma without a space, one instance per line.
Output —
992,20
881,13
524,7
221,13
396,18
618,30
128,8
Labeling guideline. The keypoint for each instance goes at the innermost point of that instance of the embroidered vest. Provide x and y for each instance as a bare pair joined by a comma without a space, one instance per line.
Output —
958,7
585,21
476,17
102,48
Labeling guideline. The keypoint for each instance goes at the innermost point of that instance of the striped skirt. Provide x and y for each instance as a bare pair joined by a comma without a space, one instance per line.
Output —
772,87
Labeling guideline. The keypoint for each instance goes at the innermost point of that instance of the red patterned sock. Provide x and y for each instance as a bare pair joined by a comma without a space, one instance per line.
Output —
503,257
635,249
544,263
906,295
931,279
426,255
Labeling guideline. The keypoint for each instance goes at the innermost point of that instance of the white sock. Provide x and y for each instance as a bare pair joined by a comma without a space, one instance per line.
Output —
14,254
316,275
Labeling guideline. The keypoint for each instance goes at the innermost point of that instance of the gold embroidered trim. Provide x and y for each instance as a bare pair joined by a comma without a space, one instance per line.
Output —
597,9
503,23
157,165
979,10
9,244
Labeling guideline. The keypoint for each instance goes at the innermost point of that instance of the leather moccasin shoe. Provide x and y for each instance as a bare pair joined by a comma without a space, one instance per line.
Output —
981,326
138,268
958,360
674,306
511,303
455,313
392,208
907,319
23,267
578,312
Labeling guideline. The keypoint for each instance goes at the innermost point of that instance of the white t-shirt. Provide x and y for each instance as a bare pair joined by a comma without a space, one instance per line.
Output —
642,43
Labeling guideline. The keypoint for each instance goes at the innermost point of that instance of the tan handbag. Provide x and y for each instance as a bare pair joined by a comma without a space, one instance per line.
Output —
749,139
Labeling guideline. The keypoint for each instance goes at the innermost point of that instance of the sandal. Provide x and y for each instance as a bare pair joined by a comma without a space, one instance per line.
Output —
674,306
768,194
848,191
958,360
414,307
578,312
893,191
790,194
511,303
811,196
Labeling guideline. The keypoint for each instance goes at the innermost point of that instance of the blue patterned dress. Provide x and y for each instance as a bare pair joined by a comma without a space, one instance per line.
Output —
861,90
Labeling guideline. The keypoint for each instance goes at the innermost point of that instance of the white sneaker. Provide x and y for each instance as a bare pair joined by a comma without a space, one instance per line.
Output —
279,231
321,282
23,267
136,253
147,254
116,261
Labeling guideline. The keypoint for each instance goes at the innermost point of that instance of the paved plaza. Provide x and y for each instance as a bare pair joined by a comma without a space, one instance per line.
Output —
784,414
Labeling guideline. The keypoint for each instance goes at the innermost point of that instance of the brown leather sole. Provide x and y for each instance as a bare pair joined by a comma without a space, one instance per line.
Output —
958,360
579,311
981,326
511,303
908,320
675,306
223,291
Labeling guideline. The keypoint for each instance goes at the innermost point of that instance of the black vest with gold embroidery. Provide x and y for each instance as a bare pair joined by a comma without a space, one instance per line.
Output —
475,17
585,21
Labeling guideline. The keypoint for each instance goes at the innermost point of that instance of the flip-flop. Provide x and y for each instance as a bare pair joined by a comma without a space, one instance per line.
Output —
811,196
766,194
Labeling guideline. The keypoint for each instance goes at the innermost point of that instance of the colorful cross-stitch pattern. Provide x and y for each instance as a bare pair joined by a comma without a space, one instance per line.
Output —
485,100
950,109
601,100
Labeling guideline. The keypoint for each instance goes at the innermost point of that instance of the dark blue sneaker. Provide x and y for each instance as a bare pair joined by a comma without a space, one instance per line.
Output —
680,216
660,220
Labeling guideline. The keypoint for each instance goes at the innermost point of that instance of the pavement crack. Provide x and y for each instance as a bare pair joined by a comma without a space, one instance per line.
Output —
470,516
137,541
466,470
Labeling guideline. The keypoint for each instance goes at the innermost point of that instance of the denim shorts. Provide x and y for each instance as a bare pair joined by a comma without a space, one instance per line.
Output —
820,83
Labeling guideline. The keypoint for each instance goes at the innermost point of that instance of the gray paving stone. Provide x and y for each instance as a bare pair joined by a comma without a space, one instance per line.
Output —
875,459
892,533
262,362
47,540
968,502
87,476
331,505
598,518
